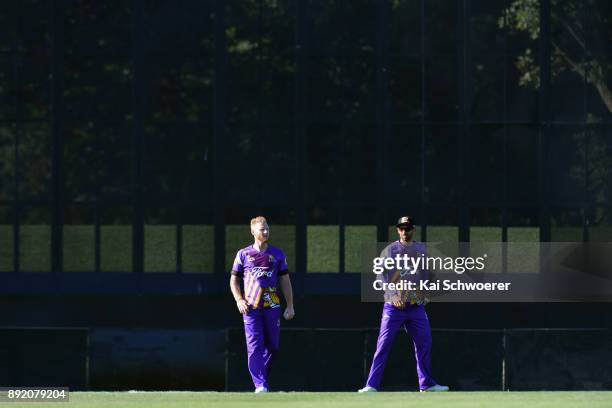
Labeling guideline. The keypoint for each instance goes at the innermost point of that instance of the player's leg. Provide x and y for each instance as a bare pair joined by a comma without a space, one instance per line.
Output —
254,332
271,335
390,323
417,326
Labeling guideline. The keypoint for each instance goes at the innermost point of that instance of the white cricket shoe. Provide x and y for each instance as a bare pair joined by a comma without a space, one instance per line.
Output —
368,389
436,388
259,390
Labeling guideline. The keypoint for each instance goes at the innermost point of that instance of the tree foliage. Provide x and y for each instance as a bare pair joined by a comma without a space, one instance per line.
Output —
581,32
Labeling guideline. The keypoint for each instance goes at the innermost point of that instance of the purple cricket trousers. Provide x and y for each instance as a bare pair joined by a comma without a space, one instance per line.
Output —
414,320
262,330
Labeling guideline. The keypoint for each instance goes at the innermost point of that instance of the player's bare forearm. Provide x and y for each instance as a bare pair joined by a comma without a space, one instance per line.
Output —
235,287
241,303
285,284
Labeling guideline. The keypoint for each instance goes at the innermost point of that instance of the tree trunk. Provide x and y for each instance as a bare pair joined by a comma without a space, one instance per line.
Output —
604,93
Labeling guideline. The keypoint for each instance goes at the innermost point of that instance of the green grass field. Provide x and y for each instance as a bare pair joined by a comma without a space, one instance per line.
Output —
590,399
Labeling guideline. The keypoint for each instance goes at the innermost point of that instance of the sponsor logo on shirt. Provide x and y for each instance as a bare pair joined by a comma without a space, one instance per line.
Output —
260,271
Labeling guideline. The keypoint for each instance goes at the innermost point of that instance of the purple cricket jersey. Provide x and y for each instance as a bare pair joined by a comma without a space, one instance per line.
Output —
415,250
260,271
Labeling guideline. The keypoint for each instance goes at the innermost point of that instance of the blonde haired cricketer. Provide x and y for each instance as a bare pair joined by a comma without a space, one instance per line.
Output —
262,268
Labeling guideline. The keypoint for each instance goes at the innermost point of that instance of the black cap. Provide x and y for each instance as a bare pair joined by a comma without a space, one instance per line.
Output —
405,220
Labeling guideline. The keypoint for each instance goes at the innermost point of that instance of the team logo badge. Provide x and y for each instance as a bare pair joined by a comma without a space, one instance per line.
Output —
270,298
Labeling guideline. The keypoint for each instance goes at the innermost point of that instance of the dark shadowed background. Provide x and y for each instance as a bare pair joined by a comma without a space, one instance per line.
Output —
138,138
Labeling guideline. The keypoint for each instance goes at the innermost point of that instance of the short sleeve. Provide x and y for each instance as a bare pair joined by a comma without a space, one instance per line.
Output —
385,252
283,268
238,267
423,251
424,248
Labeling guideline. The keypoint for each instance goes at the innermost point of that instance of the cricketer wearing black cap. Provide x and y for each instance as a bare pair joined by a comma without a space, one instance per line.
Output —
404,310
405,229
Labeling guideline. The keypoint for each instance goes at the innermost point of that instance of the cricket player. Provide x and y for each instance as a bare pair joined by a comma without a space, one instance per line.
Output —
262,268
404,309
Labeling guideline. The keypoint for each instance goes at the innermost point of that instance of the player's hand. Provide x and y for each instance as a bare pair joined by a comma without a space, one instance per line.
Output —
399,304
289,313
243,306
